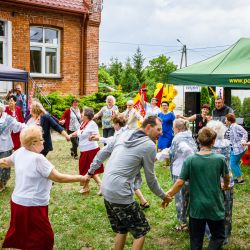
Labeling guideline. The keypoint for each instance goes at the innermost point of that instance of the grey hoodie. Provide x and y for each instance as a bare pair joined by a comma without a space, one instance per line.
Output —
129,152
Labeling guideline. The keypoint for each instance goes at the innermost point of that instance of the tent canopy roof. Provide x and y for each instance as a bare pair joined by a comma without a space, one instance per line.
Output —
230,68
11,74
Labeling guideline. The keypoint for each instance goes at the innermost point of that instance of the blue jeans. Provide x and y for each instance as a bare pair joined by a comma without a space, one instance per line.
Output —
234,162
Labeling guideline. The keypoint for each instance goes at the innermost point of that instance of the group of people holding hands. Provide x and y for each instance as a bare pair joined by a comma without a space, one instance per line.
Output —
202,168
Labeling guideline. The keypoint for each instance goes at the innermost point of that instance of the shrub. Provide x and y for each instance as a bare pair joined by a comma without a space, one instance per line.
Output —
96,101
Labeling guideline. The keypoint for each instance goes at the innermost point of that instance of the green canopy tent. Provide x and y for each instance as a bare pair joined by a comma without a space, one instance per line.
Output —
230,68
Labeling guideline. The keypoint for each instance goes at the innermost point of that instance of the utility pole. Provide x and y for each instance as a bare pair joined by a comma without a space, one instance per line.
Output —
183,53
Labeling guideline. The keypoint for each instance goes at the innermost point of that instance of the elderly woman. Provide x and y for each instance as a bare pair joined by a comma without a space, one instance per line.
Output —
183,145
107,113
29,226
167,119
16,113
7,125
40,117
71,119
238,136
88,149
222,146
132,115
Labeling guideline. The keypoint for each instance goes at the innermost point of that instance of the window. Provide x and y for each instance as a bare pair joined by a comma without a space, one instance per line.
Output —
44,52
2,41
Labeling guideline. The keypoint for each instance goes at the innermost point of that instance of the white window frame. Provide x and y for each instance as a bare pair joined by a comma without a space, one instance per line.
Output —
43,46
7,53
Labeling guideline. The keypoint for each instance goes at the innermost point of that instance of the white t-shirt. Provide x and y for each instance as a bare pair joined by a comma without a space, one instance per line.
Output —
32,186
151,111
83,135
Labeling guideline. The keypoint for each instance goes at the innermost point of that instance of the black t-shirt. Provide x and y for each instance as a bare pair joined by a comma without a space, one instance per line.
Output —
199,123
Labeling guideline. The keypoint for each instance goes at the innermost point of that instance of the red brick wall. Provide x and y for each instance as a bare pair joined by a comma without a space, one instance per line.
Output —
71,45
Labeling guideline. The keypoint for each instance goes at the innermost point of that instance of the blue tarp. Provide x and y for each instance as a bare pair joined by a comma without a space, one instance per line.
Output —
11,74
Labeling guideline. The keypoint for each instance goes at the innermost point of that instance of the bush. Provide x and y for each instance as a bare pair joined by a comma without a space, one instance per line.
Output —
205,98
236,105
246,111
96,101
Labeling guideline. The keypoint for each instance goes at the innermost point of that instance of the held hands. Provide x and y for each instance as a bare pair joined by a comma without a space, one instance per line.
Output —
62,122
85,180
95,137
68,137
244,143
168,198
224,187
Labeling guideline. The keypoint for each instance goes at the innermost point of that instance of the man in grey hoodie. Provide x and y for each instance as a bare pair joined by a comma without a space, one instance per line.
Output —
129,152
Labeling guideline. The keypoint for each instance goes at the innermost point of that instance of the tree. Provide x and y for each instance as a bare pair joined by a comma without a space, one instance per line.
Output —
138,61
205,98
159,68
236,105
105,77
129,81
115,70
246,111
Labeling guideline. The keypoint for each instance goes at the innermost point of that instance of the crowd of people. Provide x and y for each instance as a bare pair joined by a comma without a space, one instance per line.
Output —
204,167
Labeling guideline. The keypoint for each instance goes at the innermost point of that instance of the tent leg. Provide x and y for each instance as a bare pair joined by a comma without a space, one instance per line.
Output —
227,96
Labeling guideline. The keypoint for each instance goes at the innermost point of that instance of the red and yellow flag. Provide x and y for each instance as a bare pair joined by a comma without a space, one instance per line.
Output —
137,100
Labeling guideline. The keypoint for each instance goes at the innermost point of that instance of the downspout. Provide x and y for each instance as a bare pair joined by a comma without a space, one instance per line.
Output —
83,79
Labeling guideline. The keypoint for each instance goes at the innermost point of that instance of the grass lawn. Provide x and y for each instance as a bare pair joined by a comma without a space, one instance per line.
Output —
80,222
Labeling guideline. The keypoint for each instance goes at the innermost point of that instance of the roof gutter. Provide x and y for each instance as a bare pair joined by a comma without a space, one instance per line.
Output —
41,7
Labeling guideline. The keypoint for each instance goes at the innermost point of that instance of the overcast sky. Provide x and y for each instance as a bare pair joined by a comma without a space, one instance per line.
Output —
149,23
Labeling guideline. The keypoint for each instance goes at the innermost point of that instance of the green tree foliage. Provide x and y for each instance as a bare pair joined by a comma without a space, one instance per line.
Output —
138,61
159,68
236,105
129,81
246,111
115,70
105,77
205,98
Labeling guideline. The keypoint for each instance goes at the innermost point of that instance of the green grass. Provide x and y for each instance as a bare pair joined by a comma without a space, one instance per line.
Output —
80,222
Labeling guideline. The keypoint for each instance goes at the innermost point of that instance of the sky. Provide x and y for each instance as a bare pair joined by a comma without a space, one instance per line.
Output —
205,27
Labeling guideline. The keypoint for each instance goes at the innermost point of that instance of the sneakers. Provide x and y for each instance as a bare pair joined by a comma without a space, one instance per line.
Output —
236,181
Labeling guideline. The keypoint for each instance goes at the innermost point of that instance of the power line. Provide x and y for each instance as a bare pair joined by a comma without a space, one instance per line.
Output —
168,52
142,44
161,45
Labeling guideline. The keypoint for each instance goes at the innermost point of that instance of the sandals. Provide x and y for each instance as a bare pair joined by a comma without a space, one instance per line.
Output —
145,205
181,227
2,187
84,191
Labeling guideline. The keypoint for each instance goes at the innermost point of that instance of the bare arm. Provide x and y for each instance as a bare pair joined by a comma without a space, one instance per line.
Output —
176,187
190,119
65,134
226,179
6,162
64,178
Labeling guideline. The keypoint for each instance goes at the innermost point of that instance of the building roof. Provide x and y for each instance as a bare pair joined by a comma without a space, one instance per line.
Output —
77,6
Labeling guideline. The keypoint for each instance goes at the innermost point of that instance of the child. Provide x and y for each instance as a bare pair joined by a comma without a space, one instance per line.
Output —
203,170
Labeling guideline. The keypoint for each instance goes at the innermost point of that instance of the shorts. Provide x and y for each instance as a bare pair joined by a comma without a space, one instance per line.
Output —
127,218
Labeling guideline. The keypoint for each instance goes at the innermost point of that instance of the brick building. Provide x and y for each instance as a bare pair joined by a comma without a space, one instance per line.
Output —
57,41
